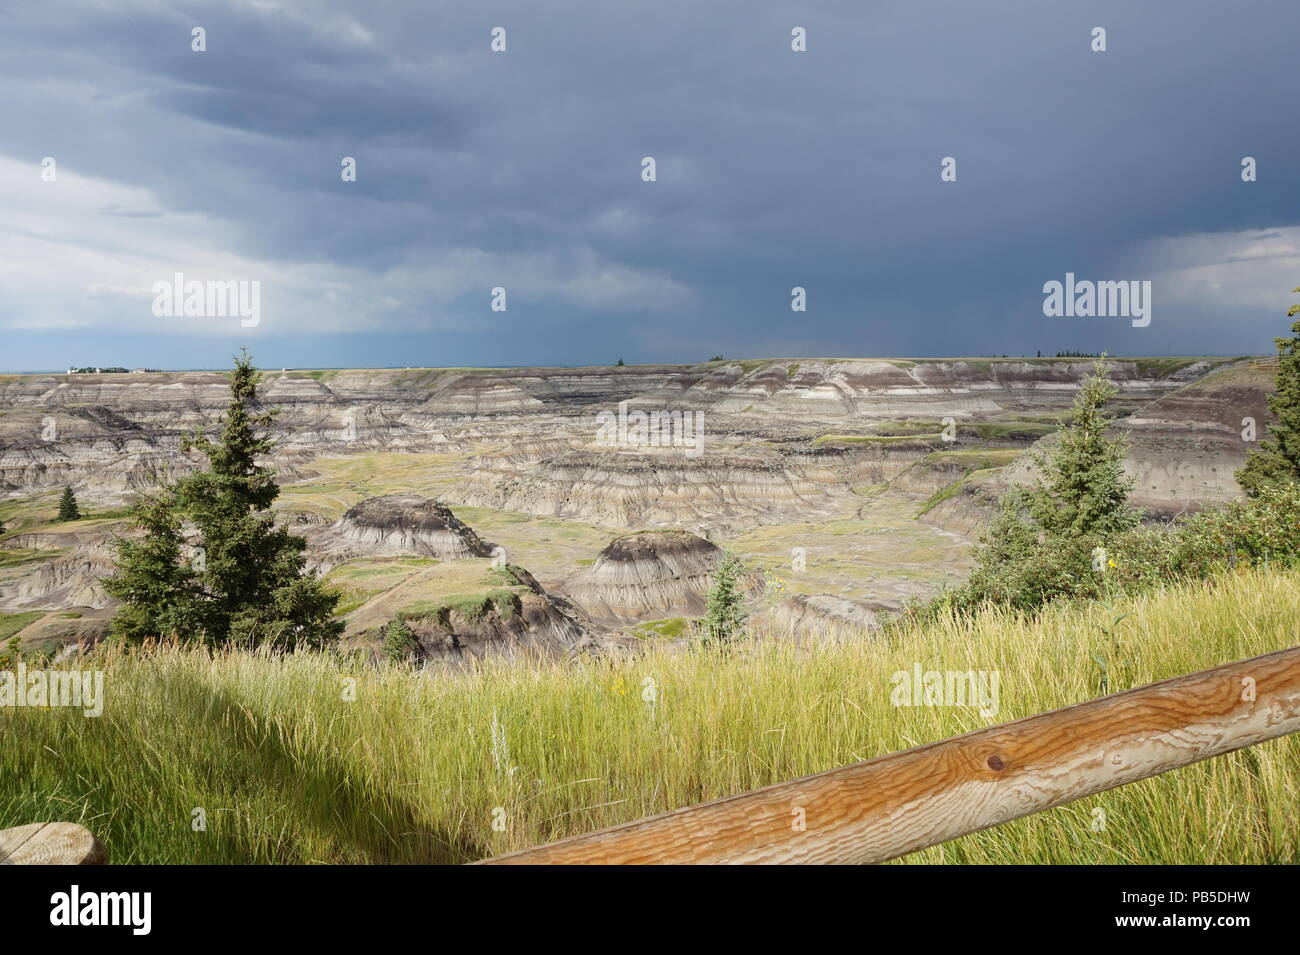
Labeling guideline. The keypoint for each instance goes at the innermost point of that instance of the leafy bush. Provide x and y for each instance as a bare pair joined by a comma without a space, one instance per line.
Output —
1050,540
1020,570
1258,531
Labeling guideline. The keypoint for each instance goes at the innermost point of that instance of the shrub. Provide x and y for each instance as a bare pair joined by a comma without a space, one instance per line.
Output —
400,645
1050,540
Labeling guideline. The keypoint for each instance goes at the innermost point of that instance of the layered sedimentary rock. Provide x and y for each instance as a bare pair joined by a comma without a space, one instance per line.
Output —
658,487
1183,449
71,580
395,525
530,626
653,574
821,616
799,444
119,433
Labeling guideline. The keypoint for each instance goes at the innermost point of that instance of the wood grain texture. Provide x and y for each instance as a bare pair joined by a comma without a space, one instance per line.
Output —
11,839
50,843
895,804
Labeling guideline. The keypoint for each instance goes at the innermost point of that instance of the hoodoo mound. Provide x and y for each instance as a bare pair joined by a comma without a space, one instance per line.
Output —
648,575
398,525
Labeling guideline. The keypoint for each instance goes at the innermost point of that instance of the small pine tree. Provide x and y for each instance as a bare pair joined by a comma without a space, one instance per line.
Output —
619,364
726,614
1276,462
1084,490
400,645
68,509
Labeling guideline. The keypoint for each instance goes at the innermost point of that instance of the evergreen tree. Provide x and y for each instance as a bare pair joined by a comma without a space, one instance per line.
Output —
1276,462
249,586
400,645
1083,490
68,509
159,590
726,614
1043,541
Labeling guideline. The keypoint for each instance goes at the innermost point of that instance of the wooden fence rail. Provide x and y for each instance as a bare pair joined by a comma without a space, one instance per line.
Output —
902,802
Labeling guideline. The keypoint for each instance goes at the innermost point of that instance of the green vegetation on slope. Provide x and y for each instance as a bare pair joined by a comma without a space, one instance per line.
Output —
468,606
876,439
16,557
11,623
975,459
1276,461
670,627
950,491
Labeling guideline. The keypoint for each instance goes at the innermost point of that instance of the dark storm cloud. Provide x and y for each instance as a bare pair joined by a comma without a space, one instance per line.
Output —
775,169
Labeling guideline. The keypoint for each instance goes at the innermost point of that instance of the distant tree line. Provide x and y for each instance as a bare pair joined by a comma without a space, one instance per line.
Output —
110,370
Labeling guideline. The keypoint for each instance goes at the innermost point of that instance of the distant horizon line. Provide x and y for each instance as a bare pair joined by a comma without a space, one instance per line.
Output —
650,364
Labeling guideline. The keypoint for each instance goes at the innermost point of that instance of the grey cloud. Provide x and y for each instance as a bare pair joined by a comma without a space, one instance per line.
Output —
775,169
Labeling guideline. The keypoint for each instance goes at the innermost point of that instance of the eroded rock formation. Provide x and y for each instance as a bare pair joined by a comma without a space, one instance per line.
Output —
393,525
653,574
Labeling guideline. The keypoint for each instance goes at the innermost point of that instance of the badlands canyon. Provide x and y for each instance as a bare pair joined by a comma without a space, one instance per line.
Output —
482,507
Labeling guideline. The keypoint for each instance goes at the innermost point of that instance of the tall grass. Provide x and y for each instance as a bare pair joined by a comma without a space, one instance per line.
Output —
287,770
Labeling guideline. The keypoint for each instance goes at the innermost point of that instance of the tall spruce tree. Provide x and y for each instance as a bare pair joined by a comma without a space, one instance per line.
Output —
1276,462
68,509
246,582
725,614
1043,541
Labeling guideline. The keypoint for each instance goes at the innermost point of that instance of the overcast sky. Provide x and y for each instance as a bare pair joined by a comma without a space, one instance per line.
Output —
523,169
